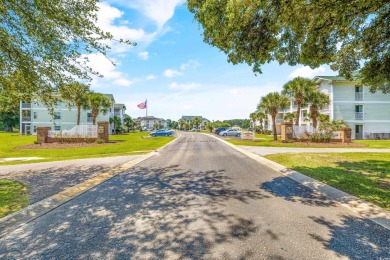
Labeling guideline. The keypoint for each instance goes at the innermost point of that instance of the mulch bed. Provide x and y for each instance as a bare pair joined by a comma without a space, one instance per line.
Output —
326,144
60,145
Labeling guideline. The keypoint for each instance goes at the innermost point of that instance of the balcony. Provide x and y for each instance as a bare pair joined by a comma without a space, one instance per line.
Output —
117,114
359,116
26,105
26,118
358,96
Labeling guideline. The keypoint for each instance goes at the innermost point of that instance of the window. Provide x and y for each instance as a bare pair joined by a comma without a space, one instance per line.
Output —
359,112
58,104
57,128
35,129
57,115
35,115
89,117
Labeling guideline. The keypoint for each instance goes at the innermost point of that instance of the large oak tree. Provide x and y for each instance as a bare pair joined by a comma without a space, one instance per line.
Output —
348,35
42,42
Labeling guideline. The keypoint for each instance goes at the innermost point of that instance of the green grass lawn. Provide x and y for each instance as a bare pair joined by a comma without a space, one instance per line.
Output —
268,141
13,197
364,175
127,144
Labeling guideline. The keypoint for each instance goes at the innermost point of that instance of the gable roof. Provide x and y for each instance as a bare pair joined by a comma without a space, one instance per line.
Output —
191,117
334,78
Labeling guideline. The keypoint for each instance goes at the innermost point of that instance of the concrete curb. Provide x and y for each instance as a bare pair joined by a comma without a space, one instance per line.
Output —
362,208
20,218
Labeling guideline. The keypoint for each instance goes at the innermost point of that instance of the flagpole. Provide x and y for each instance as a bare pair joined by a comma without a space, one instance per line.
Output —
146,108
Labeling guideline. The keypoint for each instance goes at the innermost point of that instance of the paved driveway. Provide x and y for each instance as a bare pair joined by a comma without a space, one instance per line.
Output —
199,199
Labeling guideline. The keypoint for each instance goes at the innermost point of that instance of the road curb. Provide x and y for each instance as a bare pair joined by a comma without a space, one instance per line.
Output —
22,217
363,208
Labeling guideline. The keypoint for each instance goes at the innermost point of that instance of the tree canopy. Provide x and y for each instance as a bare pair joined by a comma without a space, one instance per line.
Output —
350,36
42,43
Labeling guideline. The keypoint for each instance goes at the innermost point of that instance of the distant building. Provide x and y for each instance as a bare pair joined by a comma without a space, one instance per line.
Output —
152,122
36,114
190,119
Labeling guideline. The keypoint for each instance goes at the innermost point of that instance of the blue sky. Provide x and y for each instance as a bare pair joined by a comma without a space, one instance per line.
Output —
174,69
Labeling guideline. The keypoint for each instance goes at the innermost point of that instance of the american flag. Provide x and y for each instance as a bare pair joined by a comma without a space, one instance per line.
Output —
143,105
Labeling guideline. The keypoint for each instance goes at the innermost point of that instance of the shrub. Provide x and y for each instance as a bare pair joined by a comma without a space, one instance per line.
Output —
99,141
290,141
320,137
37,142
267,132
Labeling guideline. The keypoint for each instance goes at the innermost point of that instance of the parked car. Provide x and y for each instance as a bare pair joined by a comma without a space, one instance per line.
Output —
230,132
220,129
195,130
161,133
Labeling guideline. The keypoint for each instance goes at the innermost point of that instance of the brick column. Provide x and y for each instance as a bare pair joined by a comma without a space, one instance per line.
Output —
103,131
346,135
42,134
286,131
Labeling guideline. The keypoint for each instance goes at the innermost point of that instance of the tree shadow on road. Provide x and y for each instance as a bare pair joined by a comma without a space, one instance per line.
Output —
147,213
293,191
356,238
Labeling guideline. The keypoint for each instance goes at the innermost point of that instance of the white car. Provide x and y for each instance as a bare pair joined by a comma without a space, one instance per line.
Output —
230,132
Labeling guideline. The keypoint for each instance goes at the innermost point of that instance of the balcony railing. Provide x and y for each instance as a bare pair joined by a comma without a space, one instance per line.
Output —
26,118
358,95
117,114
26,105
359,115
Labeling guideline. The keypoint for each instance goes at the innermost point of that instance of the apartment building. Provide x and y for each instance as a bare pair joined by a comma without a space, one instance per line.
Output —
368,114
36,114
151,122
189,119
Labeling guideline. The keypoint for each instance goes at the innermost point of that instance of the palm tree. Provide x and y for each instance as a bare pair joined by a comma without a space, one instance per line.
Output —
196,122
253,117
271,103
261,116
98,103
210,126
128,122
317,101
298,89
181,123
77,95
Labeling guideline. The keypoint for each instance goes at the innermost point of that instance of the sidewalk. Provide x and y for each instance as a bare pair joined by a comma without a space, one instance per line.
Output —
49,178
262,151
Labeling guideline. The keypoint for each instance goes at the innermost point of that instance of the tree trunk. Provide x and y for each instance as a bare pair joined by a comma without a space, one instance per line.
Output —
10,128
78,114
261,126
298,113
314,113
94,120
274,127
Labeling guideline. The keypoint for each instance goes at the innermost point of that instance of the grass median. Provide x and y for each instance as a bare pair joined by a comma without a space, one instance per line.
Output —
268,141
364,175
13,197
11,146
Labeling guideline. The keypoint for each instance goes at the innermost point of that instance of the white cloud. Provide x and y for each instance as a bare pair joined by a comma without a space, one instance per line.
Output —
144,55
170,73
123,82
305,71
107,16
187,86
150,77
159,11
111,75
193,64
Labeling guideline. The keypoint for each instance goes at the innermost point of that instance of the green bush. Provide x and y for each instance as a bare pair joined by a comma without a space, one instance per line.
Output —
320,137
290,141
267,132
37,142
99,141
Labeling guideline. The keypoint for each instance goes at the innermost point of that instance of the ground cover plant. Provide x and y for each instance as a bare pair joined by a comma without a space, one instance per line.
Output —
13,197
126,144
267,141
364,175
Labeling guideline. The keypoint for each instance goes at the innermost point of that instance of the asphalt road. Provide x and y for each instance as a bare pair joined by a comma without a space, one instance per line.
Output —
199,199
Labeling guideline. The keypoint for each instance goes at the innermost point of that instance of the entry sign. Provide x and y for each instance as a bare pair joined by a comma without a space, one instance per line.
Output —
247,135
289,130
101,129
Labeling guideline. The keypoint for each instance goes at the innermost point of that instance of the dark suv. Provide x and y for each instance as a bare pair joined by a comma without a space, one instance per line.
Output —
220,129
